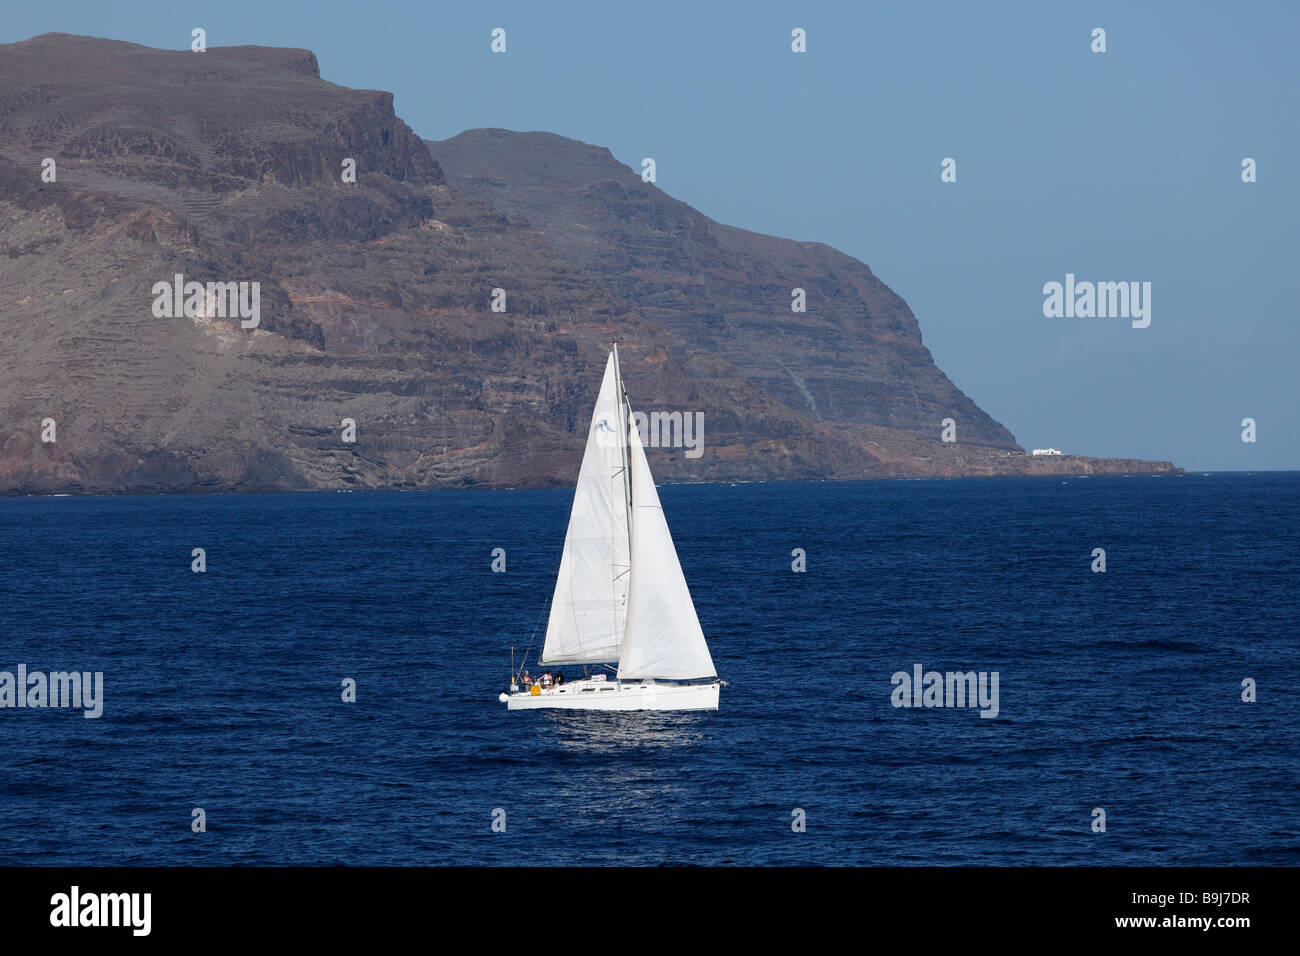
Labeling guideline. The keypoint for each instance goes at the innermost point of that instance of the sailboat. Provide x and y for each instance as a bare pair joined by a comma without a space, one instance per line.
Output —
620,595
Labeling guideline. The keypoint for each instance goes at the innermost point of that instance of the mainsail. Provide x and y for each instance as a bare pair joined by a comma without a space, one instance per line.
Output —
664,638
589,607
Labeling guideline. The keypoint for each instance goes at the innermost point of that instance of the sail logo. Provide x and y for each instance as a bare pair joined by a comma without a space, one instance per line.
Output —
1098,300
215,300
74,908
950,689
56,689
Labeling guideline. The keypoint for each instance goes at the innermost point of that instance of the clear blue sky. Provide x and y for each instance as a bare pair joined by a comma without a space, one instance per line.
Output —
1116,166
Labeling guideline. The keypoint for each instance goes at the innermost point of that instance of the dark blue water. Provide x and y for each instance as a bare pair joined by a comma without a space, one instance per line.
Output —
1119,690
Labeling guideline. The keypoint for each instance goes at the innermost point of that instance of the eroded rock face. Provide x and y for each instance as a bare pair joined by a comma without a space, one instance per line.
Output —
853,357
375,302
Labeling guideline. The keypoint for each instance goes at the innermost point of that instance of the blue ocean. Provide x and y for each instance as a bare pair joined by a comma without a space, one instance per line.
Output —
1118,690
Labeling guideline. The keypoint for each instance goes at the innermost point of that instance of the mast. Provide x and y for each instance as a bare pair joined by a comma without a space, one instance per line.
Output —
625,416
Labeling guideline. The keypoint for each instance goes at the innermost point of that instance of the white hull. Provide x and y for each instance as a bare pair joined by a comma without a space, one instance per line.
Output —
618,695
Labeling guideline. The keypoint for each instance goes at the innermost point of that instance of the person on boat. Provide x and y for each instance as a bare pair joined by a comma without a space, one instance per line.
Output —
559,678
528,680
546,678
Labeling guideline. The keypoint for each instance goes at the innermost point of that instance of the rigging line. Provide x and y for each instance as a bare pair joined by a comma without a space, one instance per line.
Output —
531,639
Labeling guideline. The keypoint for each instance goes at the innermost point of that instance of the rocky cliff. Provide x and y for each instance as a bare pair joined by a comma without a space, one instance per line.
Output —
853,356
375,299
